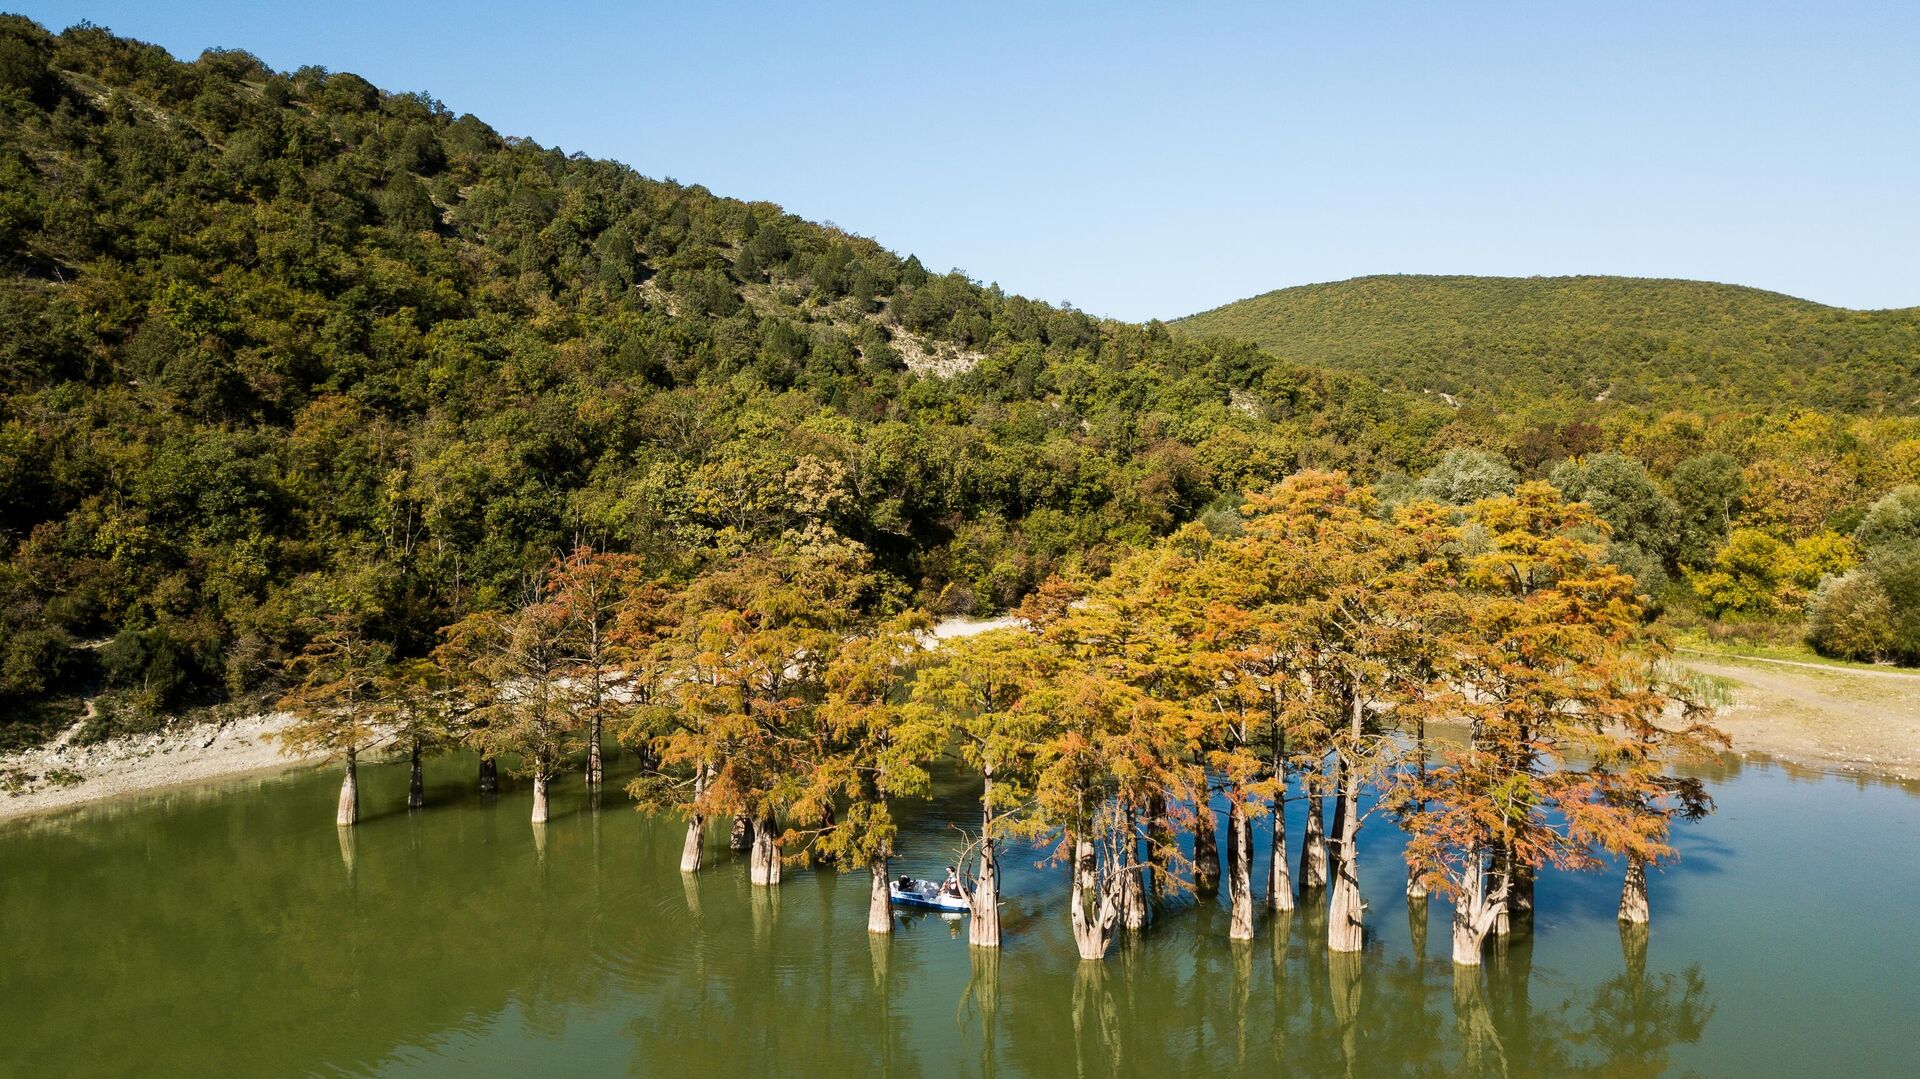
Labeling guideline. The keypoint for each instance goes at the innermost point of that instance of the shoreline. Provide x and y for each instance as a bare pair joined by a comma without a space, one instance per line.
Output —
1831,720
140,764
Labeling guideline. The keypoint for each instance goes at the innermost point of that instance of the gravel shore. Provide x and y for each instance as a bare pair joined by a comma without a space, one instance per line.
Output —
62,774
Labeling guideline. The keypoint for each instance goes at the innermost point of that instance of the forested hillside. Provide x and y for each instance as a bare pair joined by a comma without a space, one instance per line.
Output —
1630,341
281,346
282,343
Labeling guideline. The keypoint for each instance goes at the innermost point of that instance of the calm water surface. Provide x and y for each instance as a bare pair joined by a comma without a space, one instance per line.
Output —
229,931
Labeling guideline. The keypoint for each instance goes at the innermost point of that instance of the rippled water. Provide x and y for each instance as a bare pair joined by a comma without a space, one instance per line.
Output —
229,930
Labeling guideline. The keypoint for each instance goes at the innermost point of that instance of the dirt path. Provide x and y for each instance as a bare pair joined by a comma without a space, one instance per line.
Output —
1830,717
1830,668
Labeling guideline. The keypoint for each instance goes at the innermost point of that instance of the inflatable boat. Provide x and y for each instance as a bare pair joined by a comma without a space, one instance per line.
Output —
924,894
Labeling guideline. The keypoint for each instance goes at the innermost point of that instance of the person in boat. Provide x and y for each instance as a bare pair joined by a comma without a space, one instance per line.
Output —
950,886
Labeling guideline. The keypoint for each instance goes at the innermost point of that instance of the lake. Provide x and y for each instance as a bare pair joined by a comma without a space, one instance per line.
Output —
230,929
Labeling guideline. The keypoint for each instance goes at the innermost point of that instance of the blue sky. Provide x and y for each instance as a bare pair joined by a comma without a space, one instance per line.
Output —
1145,160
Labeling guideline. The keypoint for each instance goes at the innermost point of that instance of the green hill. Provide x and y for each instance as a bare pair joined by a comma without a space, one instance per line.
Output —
280,342
1662,343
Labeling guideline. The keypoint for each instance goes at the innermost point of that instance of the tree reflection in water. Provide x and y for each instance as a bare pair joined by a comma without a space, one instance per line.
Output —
1314,1012
450,942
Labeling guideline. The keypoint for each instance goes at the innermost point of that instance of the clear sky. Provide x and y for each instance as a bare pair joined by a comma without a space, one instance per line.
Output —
1148,160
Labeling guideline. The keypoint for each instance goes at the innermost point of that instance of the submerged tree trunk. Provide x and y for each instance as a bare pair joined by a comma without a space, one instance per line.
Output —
1133,890
1159,846
1206,848
348,813
763,867
879,904
489,775
1416,884
1633,894
1279,878
1337,833
416,782
983,924
1313,847
540,795
1520,893
1475,912
690,850
1346,914
983,929
1239,871
1093,913
741,835
1466,937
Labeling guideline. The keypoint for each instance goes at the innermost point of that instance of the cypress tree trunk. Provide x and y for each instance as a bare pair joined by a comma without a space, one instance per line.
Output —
540,794
690,851
1206,849
596,771
983,926
1337,833
741,837
1347,914
1313,847
1239,871
1416,887
348,813
1520,892
1466,941
1474,916
1133,890
1279,875
1501,869
763,867
1159,842
416,783
1633,894
1089,924
1417,910
983,929
489,775
1279,882
879,904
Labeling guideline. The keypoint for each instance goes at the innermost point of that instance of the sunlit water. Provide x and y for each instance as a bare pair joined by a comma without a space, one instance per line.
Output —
229,931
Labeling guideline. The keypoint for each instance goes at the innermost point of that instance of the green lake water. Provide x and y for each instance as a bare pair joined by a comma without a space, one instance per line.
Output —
228,930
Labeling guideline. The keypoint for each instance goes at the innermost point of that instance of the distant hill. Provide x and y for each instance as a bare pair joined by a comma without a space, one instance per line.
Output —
1689,344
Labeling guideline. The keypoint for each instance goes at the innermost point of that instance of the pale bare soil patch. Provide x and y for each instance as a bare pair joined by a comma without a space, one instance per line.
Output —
62,774
1837,718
